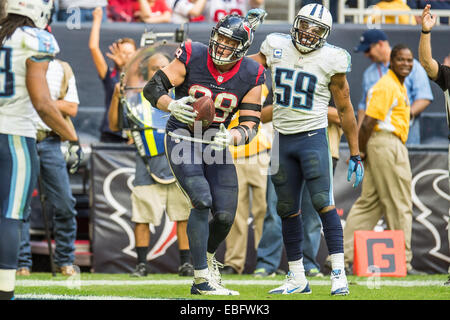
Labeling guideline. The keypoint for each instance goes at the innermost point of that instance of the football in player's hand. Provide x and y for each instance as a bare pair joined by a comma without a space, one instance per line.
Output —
204,106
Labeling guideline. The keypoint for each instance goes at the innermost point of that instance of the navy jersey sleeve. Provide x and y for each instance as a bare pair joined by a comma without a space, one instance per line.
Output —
254,73
260,77
184,52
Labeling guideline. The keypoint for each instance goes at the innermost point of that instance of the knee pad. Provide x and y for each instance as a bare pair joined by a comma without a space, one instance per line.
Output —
202,201
224,218
284,209
320,200
10,230
198,191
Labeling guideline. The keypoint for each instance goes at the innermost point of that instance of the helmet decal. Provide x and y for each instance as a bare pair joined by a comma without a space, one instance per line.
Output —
230,39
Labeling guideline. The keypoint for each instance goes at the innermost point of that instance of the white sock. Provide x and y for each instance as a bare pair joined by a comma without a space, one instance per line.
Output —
7,280
337,261
297,268
203,273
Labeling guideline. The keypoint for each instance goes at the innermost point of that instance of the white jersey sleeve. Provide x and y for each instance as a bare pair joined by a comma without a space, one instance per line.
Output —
39,44
340,61
16,110
272,47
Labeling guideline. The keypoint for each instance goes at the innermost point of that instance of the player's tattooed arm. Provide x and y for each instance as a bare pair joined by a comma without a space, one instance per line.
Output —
341,93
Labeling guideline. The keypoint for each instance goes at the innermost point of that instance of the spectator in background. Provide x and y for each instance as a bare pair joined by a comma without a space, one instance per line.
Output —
120,53
437,4
270,246
154,189
2,9
123,10
54,176
184,11
386,188
217,9
439,73
251,161
66,8
375,45
399,5
154,11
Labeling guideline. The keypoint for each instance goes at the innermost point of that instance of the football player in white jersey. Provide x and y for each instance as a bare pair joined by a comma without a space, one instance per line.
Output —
25,50
306,72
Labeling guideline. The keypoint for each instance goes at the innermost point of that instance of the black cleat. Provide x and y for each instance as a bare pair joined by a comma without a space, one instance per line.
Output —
186,270
140,271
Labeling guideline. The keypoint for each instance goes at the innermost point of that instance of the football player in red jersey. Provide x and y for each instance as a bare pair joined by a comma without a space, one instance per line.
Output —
233,81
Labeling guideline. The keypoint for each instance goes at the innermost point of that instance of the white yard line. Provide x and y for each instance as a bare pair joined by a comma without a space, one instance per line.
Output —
75,282
72,297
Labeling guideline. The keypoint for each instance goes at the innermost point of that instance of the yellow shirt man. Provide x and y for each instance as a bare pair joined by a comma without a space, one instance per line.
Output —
393,5
387,101
258,144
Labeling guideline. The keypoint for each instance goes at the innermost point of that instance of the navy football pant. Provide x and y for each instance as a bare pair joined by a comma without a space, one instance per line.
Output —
19,170
304,158
211,187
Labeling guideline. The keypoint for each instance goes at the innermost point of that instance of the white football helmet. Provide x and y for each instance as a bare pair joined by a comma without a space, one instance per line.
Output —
39,11
311,27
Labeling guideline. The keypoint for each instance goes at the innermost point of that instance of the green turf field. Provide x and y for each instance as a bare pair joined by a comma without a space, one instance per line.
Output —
169,286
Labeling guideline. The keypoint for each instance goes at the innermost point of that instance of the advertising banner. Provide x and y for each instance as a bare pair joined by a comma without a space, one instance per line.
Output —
113,232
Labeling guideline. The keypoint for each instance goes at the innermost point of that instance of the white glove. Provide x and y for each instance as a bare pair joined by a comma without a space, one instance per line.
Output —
256,17
182,111
222,139
74,151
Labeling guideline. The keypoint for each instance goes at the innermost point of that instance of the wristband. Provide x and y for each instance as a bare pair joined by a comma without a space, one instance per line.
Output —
426,32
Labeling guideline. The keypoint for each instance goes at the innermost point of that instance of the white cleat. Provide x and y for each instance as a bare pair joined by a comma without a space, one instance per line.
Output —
339,286
213,267
292,285
202,286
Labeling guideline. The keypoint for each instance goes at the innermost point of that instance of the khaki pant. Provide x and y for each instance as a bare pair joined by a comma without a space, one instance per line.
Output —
150,201
251,174
386,191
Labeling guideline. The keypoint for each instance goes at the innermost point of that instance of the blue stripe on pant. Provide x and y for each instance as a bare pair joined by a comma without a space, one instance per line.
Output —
19,170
